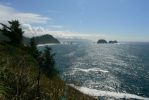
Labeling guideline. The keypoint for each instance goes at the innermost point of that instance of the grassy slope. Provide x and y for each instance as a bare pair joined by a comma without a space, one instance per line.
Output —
17,60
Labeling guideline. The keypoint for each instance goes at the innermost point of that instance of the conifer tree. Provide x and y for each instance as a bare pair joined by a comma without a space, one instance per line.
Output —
13,32
33,48
49,62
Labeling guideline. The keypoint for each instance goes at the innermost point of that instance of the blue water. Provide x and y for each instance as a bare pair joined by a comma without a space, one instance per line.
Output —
120,67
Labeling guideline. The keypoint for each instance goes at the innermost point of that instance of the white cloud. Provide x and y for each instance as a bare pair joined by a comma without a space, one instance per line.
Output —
9,13
30,31
36,31
27,19
56,26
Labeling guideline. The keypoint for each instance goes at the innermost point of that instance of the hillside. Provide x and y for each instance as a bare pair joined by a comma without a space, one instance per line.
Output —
45,39
18,79
2,37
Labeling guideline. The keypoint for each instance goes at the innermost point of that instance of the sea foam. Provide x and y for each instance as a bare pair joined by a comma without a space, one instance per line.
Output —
100,93
47,44
91,69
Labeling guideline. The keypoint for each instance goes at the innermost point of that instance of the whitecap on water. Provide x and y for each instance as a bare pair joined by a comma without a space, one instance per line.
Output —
91,69
70,54
47,44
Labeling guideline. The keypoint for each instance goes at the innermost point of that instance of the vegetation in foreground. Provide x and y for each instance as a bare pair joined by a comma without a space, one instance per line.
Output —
27,74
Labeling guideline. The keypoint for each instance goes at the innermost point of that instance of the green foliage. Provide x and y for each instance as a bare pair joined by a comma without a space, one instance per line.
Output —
48,62
33,49
18,79
13,32
49,56
18,74
26,73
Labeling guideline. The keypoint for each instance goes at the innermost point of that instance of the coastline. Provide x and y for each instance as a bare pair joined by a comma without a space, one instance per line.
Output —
47,44
106,94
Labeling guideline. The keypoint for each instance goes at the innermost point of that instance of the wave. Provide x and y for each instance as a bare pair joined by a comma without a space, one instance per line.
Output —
47,44
92,69
100,93
70,54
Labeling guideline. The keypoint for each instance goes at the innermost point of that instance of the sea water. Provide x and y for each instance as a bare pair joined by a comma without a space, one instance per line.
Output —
115,70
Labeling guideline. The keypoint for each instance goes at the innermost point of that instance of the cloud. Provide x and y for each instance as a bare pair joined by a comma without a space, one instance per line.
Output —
28,19
9,13
56,26
30,31
38,30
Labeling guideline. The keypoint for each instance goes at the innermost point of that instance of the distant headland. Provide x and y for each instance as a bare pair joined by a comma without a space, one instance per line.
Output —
43,39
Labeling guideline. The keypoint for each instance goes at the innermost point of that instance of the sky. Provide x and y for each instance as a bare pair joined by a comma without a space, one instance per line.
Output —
122,20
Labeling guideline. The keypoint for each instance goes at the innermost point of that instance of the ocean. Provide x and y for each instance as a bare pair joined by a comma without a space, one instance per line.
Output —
105,70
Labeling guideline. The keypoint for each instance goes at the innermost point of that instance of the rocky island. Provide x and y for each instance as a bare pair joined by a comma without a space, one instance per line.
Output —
102,41
115,41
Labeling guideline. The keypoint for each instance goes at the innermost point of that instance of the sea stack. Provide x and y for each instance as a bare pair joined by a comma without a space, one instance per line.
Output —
113,41
101,41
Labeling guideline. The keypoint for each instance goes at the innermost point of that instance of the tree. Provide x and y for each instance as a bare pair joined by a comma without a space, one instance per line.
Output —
13,32
36,54
48,66
33,49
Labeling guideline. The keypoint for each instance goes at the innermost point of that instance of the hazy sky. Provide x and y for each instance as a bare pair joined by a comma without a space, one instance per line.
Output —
123,20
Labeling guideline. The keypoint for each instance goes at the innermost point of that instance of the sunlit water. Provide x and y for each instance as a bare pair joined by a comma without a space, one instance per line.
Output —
116,68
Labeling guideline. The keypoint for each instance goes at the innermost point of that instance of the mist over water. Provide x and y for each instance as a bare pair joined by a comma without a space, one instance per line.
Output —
106,67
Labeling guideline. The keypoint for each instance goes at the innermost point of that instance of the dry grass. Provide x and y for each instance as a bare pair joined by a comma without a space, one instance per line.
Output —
50,88
58,90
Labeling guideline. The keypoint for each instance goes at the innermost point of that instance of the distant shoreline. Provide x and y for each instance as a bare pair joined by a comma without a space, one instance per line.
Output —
48,44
